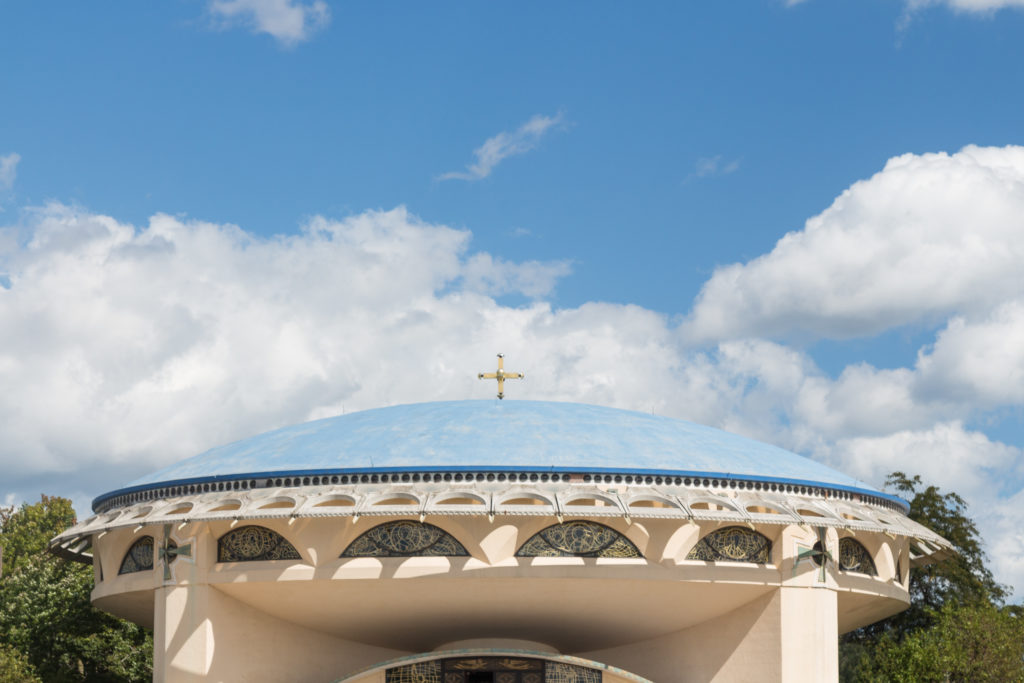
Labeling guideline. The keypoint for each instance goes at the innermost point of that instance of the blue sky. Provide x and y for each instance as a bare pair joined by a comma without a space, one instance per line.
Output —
598,190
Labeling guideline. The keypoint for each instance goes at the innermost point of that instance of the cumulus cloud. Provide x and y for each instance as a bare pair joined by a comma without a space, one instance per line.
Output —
946,455
504,145
928,236
8,171
289,21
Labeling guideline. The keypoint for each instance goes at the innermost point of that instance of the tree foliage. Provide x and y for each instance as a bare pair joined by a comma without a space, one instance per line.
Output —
25,531
46,616
15,667
957,627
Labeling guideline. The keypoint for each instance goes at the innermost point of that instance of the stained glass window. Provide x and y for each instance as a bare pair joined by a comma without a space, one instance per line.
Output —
733,544
405,538
853,557
253,544
579,538
139,557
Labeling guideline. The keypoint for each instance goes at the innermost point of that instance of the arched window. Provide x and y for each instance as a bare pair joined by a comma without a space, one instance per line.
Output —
578,538
405,538
733,544
254,544
853,557
139,557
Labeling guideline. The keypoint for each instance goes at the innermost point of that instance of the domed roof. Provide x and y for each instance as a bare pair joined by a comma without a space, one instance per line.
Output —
490,435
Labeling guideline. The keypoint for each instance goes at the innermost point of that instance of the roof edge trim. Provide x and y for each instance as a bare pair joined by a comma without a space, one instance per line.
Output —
100,500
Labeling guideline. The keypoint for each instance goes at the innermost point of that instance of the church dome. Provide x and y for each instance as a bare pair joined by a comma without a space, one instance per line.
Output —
518,541
511,439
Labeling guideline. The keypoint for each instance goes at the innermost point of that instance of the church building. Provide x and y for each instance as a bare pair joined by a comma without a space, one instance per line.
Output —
499,542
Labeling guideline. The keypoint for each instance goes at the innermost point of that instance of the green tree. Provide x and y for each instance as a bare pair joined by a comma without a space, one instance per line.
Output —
26,531
955,605
966,644
45,610
15,667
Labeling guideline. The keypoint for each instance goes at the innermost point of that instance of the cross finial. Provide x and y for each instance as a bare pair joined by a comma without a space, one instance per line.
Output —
501,375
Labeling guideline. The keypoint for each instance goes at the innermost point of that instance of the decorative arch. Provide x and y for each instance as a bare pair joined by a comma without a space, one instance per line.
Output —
578,538
854,557
254,544
139,557
405,538
733,544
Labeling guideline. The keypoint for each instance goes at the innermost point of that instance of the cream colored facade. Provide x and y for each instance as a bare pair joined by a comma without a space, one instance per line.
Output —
660,617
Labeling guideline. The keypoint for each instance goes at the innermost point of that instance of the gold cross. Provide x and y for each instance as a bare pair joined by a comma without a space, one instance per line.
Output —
501,375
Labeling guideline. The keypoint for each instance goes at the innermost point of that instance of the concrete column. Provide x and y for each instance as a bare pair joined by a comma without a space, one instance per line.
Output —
810,634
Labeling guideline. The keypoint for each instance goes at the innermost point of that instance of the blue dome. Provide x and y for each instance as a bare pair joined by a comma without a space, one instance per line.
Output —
533,436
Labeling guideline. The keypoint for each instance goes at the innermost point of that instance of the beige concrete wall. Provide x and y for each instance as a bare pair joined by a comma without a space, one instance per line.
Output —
789,636
204,635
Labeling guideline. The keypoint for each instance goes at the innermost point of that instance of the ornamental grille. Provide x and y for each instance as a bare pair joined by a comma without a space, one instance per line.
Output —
405,539
557,672
579,538
853,557
254,544
491,670
732,544
139,557
424,672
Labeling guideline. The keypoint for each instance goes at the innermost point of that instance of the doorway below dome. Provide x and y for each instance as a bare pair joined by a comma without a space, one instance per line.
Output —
502,669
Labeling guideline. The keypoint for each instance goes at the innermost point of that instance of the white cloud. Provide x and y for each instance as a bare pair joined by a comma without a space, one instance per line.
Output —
289,21
970,6
494,277
927,236
504,145
965,6
713,166
946,455
979,360
8,171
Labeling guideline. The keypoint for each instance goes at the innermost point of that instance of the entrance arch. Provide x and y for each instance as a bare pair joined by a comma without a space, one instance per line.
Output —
492,666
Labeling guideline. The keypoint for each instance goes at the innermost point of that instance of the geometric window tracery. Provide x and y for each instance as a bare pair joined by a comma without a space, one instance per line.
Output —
139,557
853,557
422,672
254,544
578,538
559,672
405,538
732,544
